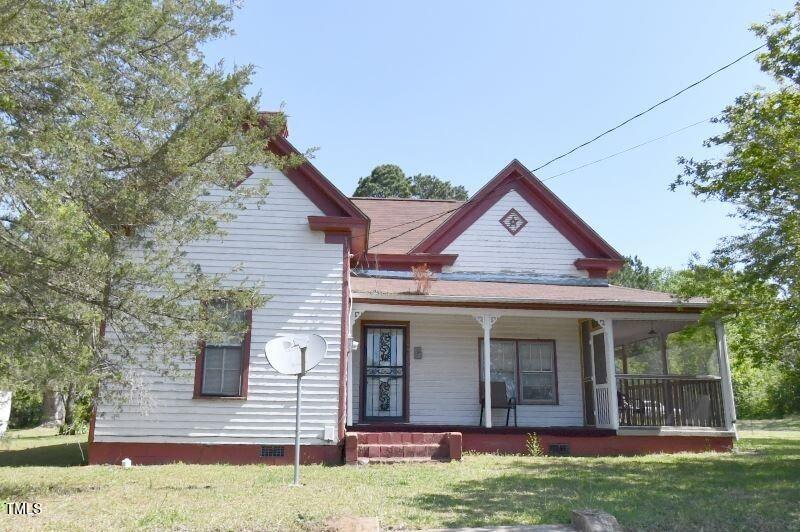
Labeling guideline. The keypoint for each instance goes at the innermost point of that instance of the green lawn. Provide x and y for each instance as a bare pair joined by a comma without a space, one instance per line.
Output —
755,488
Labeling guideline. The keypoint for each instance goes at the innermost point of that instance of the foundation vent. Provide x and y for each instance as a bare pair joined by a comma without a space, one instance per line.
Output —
271,450
559,449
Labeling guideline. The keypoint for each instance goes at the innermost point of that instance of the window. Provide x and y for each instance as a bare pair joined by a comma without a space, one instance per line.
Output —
222,365
528,367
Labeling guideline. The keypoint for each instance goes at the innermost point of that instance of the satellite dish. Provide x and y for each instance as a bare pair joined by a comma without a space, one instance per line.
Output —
295,354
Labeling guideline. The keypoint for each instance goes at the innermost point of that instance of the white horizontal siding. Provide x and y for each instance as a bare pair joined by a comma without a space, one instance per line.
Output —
487,246
444,382
302,275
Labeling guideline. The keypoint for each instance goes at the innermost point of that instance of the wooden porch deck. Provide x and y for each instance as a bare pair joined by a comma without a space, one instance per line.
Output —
474,429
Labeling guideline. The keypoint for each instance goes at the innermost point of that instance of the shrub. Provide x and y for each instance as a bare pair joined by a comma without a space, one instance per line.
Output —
26,408
533,445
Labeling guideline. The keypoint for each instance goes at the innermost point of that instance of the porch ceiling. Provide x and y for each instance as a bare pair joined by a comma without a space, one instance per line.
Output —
479,293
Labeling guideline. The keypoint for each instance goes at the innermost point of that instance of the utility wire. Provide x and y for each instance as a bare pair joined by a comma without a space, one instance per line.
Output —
626,150
412,229
662,102
431,216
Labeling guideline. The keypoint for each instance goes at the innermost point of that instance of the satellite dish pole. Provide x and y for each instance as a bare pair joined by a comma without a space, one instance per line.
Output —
296,355
297,415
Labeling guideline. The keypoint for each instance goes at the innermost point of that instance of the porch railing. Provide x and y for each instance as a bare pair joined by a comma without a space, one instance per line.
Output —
670,400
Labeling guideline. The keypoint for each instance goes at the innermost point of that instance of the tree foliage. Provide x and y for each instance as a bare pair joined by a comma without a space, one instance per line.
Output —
385,181
759,173
425,186
389,181
634,274
113,130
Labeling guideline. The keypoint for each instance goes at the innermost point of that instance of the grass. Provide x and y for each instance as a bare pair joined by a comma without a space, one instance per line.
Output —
755,488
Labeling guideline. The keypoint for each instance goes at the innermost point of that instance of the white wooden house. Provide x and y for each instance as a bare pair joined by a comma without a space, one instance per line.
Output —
516,275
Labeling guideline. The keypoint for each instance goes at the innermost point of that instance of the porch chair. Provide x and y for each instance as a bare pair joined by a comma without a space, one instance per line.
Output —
500,399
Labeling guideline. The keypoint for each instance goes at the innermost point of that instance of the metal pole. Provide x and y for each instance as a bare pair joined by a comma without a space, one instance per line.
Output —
297,434
297,417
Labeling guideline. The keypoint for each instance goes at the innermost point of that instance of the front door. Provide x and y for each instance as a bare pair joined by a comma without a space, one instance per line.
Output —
384,374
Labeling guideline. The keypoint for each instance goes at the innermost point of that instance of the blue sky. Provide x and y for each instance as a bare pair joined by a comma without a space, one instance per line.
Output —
458,89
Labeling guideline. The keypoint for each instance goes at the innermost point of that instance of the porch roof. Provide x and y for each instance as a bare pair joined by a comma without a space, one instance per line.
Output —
481,293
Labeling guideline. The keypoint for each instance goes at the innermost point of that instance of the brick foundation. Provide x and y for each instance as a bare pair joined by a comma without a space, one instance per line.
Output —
166,453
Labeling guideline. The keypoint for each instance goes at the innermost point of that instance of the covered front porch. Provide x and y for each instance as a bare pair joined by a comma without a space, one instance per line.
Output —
585,382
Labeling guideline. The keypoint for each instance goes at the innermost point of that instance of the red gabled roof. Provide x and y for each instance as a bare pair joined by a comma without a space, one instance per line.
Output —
518,178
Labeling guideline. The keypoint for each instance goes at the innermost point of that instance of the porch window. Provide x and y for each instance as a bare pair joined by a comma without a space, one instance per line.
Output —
223,361
640,357
528,367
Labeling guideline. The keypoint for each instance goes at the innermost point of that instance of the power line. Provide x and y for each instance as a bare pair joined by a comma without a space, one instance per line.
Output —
626,150
662,102
413,228
431,216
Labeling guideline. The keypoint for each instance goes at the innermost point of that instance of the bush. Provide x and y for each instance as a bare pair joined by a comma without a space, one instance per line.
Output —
26,409
533,445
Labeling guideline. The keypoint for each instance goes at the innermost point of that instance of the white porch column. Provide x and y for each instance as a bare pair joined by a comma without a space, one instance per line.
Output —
611,371
725,374
487,320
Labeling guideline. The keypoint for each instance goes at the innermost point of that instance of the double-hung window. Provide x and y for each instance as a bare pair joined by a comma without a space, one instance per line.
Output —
528,367
223,361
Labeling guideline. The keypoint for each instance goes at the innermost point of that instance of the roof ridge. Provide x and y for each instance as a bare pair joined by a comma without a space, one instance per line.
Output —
407,199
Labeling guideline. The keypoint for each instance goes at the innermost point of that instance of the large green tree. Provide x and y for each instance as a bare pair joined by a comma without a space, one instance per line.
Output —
759,173
113,129
385,181
389,181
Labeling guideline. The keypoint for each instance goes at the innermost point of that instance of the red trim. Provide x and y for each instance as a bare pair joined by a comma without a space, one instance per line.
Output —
245,376
599,268
307,178
400,261
334,226
322,192
530,306
196,453
516,177
344,344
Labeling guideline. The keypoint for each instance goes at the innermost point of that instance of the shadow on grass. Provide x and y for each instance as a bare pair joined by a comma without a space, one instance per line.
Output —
791,423
686,492
59,455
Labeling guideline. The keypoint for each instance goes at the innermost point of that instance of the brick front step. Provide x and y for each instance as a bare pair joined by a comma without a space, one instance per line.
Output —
402,445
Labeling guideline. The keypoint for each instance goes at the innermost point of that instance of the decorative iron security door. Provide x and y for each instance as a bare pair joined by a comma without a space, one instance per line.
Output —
384,373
